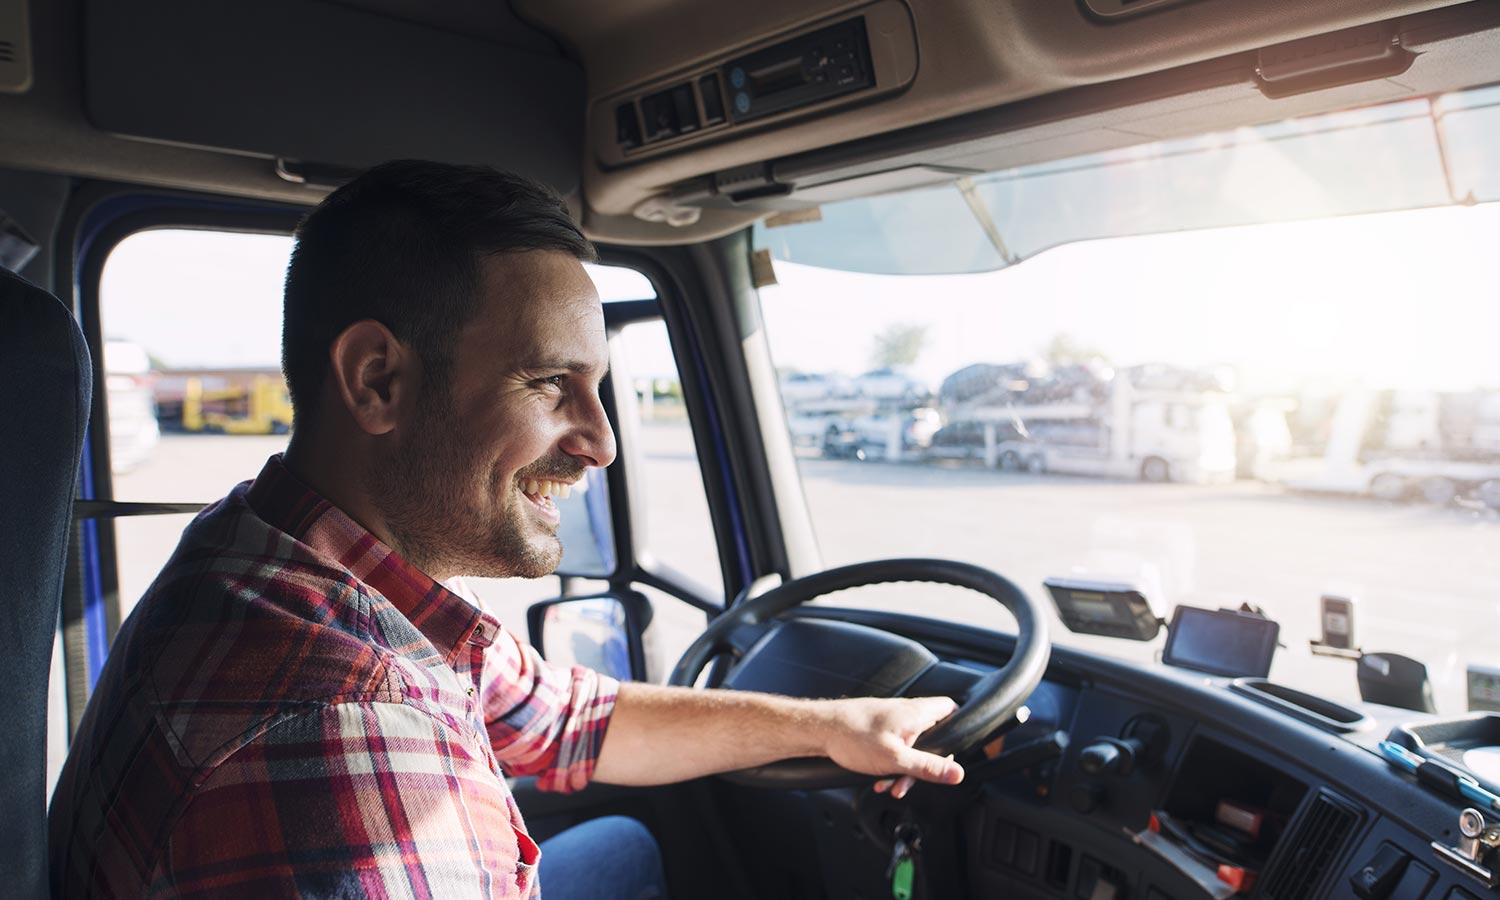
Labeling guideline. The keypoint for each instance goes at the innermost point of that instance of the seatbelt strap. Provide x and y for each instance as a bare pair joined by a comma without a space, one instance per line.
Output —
112,509
74,634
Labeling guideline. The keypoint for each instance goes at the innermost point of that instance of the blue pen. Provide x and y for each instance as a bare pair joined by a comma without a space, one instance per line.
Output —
1468,788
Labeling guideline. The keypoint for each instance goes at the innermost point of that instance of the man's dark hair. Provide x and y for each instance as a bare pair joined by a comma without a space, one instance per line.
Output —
401,244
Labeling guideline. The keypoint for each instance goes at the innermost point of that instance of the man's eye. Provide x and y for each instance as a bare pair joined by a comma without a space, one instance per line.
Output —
552,380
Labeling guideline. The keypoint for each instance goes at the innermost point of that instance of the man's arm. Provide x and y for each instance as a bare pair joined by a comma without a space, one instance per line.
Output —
658,735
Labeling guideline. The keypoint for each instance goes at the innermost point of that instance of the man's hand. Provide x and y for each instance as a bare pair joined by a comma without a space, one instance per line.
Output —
875,736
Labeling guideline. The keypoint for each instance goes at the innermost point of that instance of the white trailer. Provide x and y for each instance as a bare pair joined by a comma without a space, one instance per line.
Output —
1121,430
1399,445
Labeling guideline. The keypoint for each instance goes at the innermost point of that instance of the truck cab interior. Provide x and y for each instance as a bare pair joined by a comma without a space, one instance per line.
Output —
1204,289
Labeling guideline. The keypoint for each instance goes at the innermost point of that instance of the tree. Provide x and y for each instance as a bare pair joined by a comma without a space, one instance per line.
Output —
1065,350
899,345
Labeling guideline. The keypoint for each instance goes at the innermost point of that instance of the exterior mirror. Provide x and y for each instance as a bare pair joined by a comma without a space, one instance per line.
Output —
600,632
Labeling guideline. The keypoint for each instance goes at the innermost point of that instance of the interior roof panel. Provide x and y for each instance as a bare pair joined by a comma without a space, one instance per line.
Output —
490,20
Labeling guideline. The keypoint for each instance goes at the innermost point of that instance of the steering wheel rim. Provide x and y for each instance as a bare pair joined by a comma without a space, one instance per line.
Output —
991,702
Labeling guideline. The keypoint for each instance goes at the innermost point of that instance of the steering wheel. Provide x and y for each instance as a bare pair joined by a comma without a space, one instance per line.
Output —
990,702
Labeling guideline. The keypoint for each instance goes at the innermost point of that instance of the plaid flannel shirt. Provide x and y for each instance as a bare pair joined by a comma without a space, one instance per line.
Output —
294,710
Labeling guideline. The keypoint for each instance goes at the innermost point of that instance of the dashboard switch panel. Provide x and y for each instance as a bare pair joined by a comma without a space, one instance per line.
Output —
1097,881
1414,883
713,99
660,114
627,126
1014,847
1377,878
1028,851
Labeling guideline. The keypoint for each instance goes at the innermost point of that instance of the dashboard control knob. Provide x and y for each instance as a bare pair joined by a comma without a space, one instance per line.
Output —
1085,798
1099,758
1111,756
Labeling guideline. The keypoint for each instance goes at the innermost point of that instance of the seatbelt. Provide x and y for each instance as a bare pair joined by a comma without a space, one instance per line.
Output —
74,636
113,509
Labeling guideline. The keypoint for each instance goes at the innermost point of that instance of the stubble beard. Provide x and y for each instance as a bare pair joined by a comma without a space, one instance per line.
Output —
450,513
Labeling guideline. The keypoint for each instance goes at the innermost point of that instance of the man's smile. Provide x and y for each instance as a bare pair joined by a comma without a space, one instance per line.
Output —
540,492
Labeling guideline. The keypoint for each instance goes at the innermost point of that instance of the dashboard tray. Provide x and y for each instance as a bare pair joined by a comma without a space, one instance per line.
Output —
1470,743
1310,708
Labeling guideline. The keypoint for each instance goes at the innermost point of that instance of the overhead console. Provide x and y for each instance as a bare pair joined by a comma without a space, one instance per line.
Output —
822,67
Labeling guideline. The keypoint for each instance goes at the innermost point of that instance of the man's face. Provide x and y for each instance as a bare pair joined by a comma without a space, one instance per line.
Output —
466,492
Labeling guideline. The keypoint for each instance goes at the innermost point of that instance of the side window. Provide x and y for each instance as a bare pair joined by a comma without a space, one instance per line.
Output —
678,538
679,532
192,361
197,403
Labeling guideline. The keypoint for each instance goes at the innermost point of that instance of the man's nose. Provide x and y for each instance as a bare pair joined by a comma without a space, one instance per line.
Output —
593,440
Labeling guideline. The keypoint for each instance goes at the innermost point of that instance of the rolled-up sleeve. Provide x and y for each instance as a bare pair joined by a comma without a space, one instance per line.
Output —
544,720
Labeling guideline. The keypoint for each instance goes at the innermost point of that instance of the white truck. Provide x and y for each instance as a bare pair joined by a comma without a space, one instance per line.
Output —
880,415
862,429
1155,423
1411,445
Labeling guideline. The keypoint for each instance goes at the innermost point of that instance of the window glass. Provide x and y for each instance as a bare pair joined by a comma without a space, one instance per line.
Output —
192,359
679,538
1263,415
192,322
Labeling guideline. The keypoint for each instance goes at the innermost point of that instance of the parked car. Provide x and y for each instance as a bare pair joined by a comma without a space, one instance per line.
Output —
803,387
890,384
966,439
885,435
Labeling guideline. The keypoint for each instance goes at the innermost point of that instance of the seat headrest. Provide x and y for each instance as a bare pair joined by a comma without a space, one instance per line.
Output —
46,386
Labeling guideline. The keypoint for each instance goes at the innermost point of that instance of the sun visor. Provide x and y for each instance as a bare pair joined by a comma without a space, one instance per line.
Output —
329,85
1411,154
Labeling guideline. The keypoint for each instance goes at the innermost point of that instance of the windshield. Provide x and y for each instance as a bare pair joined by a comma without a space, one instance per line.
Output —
1262,415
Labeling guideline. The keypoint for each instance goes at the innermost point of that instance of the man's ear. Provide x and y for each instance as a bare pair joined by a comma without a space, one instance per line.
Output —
374,373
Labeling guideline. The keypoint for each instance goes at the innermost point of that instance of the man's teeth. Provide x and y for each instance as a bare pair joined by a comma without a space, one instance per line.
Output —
541,488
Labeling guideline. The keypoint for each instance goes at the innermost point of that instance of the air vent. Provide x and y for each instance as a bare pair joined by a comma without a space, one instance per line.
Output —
15,50
1310,849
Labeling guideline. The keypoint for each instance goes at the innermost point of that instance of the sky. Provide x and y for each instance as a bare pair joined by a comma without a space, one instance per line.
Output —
1409,299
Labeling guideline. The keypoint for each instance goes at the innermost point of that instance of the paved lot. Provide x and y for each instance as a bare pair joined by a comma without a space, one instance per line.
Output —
1428,580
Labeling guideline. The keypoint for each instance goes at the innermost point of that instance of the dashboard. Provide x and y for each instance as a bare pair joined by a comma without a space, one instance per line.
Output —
1131,782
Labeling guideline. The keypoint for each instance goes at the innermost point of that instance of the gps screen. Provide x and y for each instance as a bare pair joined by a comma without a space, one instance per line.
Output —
1221,642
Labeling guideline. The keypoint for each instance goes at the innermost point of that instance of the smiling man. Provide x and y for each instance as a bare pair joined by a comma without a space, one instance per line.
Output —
306,702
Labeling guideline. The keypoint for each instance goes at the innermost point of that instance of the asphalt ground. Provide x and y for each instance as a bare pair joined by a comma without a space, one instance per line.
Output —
1426,580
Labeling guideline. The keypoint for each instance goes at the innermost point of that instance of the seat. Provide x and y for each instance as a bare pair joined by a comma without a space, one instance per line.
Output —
46,386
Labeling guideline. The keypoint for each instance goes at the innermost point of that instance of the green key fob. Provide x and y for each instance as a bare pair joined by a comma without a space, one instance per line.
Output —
901,878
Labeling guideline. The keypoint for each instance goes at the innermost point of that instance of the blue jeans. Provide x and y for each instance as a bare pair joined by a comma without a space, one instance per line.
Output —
613,858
